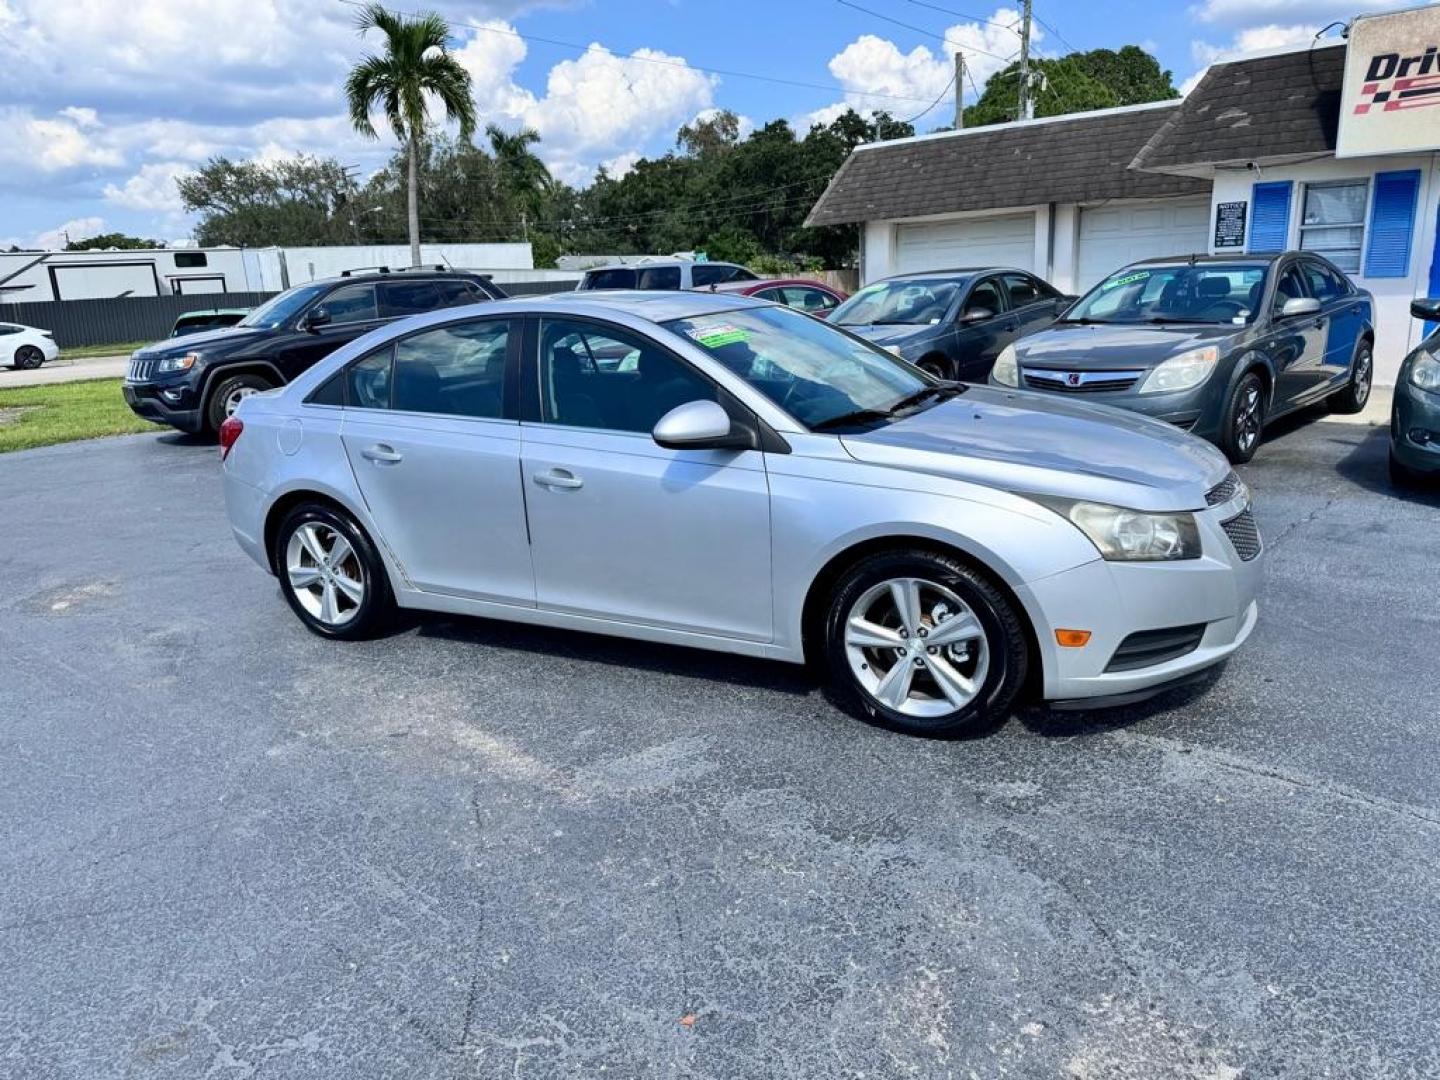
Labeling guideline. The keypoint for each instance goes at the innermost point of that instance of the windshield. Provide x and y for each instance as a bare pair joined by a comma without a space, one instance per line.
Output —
279,310
817,374
1198,293
912,302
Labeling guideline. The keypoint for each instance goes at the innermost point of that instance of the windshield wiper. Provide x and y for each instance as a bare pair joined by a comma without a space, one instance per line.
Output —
870,416
944,389
1160,319
859,416
1087,321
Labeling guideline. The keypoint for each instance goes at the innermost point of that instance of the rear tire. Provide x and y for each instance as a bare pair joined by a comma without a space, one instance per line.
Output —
1243,422
890,660
28,358
331,574
1356,394
227,395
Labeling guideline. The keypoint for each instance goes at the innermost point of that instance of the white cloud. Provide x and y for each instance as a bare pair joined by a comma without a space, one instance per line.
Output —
49,144
1256,39
1243,12
74,229
152,188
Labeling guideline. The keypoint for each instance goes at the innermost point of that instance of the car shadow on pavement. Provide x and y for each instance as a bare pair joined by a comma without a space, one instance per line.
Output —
1068,724
617,652
1367,466
185,438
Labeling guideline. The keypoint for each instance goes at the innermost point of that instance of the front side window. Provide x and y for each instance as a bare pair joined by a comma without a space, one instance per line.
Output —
399,298
351,303
1287,288
1325,284
1184,293
986,296
1333,221
280,310
598,376
814,372
909,302
804,298
456,370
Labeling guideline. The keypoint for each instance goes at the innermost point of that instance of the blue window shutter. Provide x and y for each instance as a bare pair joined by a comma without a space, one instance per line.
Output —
1392,224
1270,216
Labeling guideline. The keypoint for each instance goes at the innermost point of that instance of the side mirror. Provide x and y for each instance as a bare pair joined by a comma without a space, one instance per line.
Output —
1429,310
977,315
1300,305
316,318
698,425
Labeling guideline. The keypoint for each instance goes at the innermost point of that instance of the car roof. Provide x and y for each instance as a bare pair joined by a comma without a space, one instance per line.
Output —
764,283
365,275
653,305
1261,259
956,272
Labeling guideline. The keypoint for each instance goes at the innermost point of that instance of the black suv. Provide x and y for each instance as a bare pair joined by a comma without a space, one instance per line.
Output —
195,382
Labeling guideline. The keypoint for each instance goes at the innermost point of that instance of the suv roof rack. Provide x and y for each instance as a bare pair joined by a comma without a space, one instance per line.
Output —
362,269
428,269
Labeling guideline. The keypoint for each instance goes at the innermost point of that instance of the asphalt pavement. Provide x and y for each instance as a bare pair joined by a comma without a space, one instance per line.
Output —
66,370
230,849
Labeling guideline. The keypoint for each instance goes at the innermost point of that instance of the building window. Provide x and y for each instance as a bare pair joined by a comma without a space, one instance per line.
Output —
188,260
1333,222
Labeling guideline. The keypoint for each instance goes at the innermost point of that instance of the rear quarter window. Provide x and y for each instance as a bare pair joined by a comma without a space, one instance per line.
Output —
618,278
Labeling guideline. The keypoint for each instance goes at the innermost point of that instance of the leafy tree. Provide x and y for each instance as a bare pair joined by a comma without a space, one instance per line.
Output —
300,200
711,136
417,63
1079,82
523,175
107,241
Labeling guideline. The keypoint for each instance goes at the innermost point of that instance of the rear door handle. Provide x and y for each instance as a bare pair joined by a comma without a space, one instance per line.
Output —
559,478
382,454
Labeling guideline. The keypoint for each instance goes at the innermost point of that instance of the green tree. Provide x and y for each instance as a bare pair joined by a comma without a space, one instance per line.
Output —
417,62
300,200
523,176
1078,82
106,241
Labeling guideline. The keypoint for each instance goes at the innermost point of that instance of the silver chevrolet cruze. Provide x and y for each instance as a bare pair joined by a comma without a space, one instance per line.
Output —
715,471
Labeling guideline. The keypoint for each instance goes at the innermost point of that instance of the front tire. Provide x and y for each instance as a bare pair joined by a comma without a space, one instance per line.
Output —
28,358
920,643
331,574
225,398
1356,393
1244,419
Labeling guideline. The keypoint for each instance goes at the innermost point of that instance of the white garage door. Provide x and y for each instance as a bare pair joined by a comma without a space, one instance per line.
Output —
1124,232
1008,240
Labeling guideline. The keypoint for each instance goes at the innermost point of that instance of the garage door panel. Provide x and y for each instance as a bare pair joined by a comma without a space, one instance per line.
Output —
1004,240
1114,235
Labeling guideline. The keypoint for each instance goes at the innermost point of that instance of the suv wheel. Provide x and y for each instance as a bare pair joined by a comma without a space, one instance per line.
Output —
225,398
331,574
920,643
1244,419
1352,399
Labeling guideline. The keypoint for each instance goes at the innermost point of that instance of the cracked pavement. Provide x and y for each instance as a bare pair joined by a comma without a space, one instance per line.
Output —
230,849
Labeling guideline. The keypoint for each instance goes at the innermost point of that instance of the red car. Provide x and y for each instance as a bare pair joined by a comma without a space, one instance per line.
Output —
812,297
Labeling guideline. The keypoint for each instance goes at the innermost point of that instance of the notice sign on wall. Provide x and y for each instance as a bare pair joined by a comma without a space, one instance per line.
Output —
1391,101
1230,224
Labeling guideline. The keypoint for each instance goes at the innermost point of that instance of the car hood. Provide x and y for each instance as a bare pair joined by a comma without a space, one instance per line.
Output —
1040,444
1109,347
225,339
890,333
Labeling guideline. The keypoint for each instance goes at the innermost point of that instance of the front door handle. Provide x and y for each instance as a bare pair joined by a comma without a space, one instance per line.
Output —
559,478
382,454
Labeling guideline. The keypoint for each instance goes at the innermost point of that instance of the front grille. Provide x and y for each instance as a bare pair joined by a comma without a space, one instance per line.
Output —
1224,491
1243,534
1149,647
1081,382
140,369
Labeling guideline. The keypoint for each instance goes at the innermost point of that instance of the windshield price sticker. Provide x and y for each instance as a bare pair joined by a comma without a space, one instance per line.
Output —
1128,279
714,337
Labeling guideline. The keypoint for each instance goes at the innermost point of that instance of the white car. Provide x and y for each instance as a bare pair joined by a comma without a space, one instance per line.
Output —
25,347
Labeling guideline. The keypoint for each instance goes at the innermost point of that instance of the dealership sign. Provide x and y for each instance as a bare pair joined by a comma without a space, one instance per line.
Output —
1391,102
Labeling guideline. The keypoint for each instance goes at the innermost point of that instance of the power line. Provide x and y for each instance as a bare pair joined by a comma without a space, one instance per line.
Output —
727,73
943,94
1059,36
921,30
961,15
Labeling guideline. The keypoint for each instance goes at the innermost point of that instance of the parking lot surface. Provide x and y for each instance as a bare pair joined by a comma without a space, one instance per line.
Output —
231,849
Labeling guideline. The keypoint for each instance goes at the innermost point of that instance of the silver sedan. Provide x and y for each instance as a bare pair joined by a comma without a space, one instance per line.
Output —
719,472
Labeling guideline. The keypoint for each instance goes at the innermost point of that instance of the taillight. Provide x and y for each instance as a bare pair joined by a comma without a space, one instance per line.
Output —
229,432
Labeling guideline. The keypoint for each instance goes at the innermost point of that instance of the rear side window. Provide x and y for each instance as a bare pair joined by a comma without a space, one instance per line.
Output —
459,293
367,381
617,278
399,298
456,370
1325,284
804,298
660,277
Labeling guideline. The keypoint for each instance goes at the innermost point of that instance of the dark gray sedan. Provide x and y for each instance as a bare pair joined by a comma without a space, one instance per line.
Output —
1216,345
951,323
1415,412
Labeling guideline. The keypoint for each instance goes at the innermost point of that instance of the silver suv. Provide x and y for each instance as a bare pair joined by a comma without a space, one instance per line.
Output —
663,274
710,470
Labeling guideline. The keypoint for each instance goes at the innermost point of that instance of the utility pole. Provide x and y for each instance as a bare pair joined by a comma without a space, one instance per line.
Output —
959,90
1023,112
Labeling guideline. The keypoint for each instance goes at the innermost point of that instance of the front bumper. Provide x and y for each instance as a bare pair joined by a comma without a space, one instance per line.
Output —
1415,428
173,403
1114,600
1197,410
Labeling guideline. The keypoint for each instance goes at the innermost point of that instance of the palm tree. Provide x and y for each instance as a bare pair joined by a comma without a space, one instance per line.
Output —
523,175
417,62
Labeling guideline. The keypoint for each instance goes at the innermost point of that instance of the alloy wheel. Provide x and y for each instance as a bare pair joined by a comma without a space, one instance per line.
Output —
916,647
233,399
1247,420
325,573
1364,372
30,358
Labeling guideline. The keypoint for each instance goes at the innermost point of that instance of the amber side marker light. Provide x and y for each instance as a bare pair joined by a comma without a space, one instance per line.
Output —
1071,639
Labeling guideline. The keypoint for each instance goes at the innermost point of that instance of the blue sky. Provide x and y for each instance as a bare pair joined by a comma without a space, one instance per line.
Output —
103,104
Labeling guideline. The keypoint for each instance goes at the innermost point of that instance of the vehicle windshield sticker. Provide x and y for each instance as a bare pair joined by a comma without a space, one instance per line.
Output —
714,337
1128,279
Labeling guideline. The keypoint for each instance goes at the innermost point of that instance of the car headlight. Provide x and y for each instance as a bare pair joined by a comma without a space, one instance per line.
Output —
1425,372
1183,372
1123,535
1007,368
171,364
